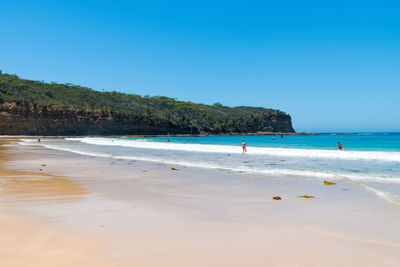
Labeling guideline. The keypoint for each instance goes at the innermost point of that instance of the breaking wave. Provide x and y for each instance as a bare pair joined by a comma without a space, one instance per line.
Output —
227,149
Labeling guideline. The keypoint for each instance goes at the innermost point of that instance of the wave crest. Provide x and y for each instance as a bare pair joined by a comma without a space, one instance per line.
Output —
227,149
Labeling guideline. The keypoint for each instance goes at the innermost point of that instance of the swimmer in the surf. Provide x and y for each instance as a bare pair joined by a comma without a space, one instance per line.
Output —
339,146
244,147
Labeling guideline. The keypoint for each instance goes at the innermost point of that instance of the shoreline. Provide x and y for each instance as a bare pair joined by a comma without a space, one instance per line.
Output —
30,240
190,135
146,214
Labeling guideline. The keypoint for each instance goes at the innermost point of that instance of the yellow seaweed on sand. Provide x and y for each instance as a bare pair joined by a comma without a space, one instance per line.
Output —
277,198
44,165
306,196
329,183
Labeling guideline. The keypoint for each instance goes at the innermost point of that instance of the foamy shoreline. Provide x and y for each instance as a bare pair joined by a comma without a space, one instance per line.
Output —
380,166
182,135
146,214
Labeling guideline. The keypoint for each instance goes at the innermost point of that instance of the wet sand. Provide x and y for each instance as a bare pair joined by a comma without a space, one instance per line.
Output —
85,211
29,241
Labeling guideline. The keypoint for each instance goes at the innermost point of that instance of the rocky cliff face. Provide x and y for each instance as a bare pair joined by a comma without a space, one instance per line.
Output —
16,119
30,107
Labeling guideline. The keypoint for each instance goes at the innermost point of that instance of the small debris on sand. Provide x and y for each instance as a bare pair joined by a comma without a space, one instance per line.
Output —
282,160
174,169
40,169
277,198
145,171
44,165
222,170
306,196
329,183
240,171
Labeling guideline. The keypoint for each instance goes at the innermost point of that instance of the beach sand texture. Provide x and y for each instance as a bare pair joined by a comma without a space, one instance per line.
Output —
63,209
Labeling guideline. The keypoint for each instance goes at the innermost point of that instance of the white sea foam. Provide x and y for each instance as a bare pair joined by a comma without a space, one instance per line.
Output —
276,172
28,140
390,197
281,152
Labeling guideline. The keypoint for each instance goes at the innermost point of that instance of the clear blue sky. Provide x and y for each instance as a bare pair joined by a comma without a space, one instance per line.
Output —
332,65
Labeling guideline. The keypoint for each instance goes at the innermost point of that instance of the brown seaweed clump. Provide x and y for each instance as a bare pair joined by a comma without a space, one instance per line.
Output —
277,198
306,196
329,183
174,169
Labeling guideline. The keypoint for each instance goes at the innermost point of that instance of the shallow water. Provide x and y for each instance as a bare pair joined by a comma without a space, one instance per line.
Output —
372,159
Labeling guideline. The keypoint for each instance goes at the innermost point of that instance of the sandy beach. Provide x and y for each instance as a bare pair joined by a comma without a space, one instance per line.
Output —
62,209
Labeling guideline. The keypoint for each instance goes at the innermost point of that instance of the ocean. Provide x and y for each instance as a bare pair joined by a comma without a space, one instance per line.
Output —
371,159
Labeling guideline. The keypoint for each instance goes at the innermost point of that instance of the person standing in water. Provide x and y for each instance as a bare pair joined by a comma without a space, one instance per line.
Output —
339,146
38,139
244,147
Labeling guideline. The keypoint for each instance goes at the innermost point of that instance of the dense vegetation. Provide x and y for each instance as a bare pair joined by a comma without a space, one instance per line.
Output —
157,111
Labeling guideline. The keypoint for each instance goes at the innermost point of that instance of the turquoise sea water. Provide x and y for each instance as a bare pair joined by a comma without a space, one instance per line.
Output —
371,159
361,141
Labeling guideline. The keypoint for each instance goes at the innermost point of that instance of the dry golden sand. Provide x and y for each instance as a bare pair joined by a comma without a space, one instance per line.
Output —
26,242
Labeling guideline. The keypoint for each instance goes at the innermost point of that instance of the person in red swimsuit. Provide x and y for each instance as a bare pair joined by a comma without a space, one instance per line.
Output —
244,146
